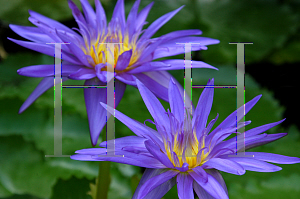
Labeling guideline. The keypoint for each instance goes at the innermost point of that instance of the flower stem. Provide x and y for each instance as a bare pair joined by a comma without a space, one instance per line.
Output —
103,177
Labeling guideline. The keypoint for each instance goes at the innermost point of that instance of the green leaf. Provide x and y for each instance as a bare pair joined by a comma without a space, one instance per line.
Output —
267,24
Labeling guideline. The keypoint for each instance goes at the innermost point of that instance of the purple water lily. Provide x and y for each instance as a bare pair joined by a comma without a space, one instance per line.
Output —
84,58
185,150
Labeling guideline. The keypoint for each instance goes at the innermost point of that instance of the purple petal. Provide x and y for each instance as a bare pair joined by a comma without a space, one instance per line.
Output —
252,164
123,60
157,24
51,22
258,142
101,16
150,66
158,154
154,106
48,49
127,78
203,41
202,173
217,176
174,49
96,113
46,70
119,13
31,33
274,158
185,186
201,193
83,74
131,19
157,82
77,14
160,190
98,154
136,127
125,141
155,181
180,33
261,129
232,118
177,64
89,13
203,108
140,21
44,85
212,186
225,165
176,101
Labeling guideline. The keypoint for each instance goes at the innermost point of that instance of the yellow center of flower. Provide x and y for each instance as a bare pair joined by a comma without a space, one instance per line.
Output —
98,49
187,153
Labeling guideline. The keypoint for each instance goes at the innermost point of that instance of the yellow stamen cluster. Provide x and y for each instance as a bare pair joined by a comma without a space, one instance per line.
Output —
98,49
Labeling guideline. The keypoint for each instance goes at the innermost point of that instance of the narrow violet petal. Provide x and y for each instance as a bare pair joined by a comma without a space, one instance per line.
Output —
89,13
160,190
252,164
274,158
217,176
136,127
202,173
185,186
150,66
44,85
126,78
203,41
201,193
131,19
154,106
232,118
46,70
203,107
100,14
51,22
177,64
212,186
158,154
119,12
267,139
31,33
95,112
83,74
128,158
158,83
123,60
125,141
176,101
261,129
46,49
142,16
180,33
225,165
155,181
157,24
174,49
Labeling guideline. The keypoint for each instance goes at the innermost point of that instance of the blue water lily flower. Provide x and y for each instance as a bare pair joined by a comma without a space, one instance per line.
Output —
184,151
84,58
